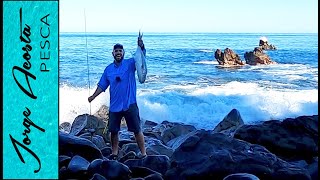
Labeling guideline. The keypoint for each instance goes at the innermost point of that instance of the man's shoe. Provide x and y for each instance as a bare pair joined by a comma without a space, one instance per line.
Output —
113,157
141,156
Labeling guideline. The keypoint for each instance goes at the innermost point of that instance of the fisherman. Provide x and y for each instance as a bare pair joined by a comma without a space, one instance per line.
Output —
120,76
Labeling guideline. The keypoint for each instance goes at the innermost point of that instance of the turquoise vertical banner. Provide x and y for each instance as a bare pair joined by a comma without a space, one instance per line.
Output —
30,90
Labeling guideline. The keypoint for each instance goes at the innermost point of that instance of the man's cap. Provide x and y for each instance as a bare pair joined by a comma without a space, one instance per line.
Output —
118,46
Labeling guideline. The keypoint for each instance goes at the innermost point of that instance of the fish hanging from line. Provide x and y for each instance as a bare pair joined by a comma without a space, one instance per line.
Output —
140,62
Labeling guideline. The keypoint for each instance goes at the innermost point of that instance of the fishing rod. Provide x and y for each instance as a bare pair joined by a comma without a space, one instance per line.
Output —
85,32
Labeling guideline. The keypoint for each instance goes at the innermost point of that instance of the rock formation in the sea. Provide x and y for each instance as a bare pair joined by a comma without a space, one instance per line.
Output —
228,57
257,57
276,149
264,45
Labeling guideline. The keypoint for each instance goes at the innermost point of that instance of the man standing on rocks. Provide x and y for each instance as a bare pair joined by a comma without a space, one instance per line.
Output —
120,76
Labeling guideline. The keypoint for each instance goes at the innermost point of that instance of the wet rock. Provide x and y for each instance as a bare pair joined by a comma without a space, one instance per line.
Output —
291,139
97,176
63,161
70,145
176,131
241,176
258,57
65,127
143,172
207,155
159,163
109,169
229,123
89,123
78,164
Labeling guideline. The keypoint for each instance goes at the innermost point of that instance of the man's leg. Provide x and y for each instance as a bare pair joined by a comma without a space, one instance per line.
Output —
140,141
114,127
134,125
115,143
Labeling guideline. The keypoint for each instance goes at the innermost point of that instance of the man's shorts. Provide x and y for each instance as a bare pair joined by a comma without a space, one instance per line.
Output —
131,116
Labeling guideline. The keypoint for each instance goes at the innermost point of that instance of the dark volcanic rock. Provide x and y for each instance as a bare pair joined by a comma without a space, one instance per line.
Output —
64,161
130,147
71,145
89,123
241,176
110,169
97,176
65,127
96,139
176,131
159,149
106,151
291,139
313,169
142,172
78,164
159,163
207,155
156,147
229,123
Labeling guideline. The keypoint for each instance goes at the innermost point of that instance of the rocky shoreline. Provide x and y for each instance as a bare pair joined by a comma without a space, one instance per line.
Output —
275,149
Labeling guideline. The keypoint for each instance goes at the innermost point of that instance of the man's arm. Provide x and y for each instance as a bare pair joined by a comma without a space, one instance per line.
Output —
102,86
95,94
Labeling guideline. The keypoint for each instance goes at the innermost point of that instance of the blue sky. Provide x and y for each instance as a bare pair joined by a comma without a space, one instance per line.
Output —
223,16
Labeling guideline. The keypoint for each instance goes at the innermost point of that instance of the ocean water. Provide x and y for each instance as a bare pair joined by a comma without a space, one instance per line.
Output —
183,83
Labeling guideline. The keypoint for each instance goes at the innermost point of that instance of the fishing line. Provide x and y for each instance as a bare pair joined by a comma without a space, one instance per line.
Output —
85,32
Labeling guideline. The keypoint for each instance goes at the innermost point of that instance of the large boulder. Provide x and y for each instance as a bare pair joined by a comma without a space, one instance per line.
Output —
313,169
65,127
97,176
63,161
96,139
175,131
156,147
109,169
207,155
158,163
142,172
70,145
241,176
130,147
88,123
159,149
103,113
78,164
291,139
230,123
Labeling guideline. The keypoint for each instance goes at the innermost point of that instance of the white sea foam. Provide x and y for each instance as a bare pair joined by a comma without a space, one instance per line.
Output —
207,62
206,50
73,101
203,107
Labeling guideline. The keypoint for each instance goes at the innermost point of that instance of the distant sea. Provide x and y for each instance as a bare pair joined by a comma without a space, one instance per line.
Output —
183,83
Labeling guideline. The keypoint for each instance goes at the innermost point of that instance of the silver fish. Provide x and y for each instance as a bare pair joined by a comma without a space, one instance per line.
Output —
140,63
